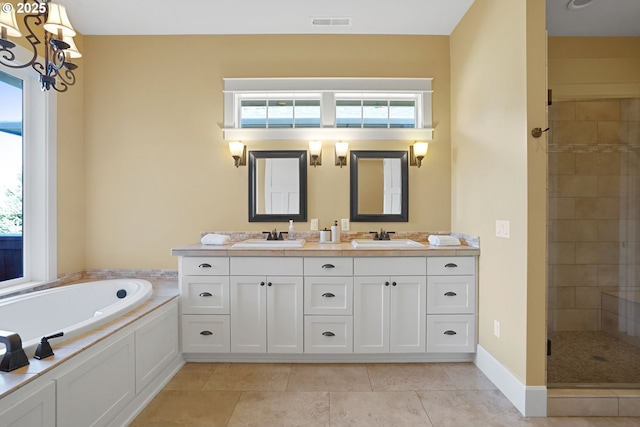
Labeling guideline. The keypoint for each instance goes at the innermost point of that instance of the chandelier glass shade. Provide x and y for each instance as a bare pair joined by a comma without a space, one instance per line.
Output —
49,40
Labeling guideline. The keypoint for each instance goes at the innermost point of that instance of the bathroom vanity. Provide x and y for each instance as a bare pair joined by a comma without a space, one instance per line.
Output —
328,303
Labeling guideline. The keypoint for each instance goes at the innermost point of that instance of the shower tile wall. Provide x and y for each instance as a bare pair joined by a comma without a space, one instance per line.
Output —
594,208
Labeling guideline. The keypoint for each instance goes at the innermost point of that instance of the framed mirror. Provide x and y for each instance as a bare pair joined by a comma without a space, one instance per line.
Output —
379,186
277,186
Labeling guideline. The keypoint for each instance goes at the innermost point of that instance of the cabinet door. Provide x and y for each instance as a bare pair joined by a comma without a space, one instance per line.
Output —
248,314
371,314
407,321
284,314
32,409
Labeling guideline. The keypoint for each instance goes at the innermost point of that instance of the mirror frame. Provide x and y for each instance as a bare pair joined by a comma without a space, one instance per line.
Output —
403,216
301,155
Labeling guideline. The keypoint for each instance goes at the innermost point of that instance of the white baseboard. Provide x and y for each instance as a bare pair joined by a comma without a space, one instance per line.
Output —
531,401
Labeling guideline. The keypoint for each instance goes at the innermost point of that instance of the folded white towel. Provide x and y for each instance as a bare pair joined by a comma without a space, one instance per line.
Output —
438,240
215,239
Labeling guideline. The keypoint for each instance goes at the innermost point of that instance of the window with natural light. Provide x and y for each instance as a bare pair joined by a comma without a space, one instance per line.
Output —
11,178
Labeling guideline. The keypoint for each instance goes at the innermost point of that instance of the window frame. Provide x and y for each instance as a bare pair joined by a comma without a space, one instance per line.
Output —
39,184
330,89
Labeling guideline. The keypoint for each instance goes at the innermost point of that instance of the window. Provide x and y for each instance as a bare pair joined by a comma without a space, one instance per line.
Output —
11,178
27,180
332,108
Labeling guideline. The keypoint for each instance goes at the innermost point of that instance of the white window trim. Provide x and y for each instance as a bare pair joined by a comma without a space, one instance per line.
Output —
39,184
329,88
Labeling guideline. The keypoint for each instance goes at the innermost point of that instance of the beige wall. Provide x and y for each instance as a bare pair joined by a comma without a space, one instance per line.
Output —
494,161
157,171
594,67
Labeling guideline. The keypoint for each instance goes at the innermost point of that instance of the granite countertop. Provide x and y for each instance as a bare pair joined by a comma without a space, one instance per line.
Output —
164,290
324,249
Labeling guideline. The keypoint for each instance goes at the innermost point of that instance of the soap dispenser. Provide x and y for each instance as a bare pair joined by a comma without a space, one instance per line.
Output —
290,235
335,233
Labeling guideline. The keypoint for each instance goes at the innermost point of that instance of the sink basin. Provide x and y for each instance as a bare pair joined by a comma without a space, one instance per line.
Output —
269,244
391,244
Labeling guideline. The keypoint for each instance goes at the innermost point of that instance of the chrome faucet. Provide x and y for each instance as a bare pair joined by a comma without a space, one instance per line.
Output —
14,355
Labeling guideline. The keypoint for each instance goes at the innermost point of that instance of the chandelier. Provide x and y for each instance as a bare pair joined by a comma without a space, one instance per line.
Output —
51,20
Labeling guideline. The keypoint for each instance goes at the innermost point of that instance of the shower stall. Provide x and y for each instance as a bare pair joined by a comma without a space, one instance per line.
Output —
594,244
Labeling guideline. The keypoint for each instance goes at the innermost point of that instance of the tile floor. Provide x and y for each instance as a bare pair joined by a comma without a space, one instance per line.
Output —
394,395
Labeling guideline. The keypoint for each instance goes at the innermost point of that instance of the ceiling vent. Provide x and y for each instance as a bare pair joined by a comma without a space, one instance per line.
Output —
331,22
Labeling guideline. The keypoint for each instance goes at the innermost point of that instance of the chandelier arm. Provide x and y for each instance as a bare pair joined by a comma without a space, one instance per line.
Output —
32,38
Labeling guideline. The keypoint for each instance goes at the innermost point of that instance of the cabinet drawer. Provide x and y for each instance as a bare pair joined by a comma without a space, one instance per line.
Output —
328,295
204,266
204,295
451,294
205,334
276,266
444,266
328,334
342,266
448,333
388,266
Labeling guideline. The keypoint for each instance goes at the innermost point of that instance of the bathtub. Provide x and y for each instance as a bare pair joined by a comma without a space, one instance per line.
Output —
72,309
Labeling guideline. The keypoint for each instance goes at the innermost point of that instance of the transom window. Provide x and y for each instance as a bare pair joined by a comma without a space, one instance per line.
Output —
349,108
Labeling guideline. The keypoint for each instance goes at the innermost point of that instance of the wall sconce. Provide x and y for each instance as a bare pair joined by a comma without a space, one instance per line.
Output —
239,153
342,148
417,152
315,153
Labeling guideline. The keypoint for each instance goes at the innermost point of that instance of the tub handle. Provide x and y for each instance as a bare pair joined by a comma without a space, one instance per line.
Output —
206,333
205,294
450,332
204,265
450,294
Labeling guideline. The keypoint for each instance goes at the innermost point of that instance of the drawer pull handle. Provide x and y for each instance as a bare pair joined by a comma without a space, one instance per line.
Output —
328,266
450,294
328,295
269,283
394,284
205,294
206,333
204,265
386,283
450,332
261,283
451,265
328,334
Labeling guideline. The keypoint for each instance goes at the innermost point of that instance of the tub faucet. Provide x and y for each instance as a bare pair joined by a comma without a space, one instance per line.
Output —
44,348
14,356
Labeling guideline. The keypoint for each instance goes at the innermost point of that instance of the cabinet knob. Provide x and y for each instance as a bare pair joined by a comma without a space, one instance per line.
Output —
269,283
450,332
386,283
328,295
204,265
451,265
450,294
261,283
205,294
206,333
393,283
328,266
328,334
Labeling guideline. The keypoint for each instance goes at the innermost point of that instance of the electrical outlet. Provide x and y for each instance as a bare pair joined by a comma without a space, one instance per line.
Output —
496,328
344,224
314,224
502,228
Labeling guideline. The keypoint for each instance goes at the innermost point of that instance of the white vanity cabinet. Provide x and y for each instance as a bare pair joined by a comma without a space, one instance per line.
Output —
204,300
266,305
328,305
451,304
389,310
